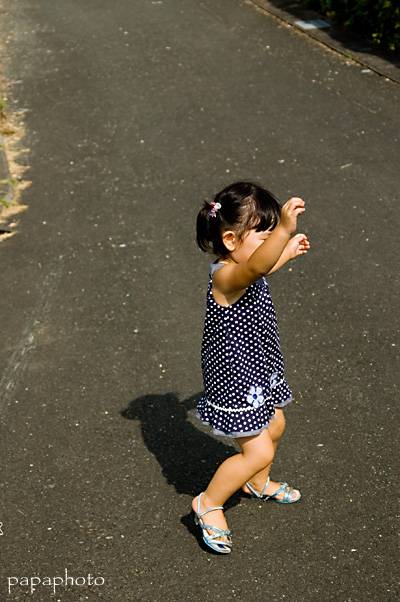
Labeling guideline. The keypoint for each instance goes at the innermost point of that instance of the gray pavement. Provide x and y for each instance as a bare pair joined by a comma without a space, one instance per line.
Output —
134,113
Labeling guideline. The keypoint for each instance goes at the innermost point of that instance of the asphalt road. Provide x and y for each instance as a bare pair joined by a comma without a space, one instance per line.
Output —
134,111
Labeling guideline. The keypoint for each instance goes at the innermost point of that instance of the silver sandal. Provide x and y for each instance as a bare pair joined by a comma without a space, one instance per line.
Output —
223,547
287,498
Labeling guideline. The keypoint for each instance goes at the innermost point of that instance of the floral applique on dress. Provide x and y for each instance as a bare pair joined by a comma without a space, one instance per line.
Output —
255,397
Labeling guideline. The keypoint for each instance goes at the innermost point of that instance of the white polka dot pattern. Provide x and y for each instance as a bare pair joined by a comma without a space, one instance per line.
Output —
242,363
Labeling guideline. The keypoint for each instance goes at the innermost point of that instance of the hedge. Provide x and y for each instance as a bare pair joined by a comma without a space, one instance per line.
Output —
378,20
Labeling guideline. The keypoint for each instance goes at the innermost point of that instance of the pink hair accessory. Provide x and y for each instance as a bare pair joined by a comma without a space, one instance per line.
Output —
215,207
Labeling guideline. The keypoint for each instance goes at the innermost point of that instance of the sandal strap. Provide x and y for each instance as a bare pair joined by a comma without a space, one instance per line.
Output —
283,487
200,514
210,510
266,485
258,495
214,540
288,494
219,532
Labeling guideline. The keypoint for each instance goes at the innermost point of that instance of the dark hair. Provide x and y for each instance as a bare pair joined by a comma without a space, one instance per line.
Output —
244,206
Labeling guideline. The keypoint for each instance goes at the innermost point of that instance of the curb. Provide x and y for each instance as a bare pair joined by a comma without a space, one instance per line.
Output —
6,187
324,31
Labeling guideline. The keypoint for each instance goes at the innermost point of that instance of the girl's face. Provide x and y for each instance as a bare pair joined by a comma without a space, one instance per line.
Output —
242,251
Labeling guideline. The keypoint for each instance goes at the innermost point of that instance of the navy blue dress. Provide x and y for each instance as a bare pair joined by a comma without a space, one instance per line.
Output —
242,363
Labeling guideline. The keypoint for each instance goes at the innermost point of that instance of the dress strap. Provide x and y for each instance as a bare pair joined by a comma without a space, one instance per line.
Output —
214,267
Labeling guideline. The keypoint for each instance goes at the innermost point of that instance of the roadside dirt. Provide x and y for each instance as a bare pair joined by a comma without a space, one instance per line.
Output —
14,152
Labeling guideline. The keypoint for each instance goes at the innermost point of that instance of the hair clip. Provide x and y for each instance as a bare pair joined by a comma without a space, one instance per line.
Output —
215,207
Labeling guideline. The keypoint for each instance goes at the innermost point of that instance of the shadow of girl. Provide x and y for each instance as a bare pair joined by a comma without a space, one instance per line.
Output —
188,457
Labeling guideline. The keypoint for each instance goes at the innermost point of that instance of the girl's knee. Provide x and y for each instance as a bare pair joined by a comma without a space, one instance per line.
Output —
259,451
258,462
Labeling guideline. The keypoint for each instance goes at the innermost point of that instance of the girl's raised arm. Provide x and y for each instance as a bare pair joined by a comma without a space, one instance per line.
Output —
232,279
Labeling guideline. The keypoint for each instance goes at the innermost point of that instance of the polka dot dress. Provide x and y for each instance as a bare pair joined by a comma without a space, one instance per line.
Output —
242,363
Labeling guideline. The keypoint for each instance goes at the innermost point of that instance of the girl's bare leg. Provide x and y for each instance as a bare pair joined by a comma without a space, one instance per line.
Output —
257,452
259,480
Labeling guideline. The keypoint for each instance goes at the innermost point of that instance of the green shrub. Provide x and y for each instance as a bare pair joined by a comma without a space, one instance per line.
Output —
378,20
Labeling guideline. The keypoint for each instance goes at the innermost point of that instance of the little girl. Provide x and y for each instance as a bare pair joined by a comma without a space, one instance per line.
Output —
245,387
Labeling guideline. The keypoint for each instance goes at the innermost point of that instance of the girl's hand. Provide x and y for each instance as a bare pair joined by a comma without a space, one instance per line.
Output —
298,245
290,211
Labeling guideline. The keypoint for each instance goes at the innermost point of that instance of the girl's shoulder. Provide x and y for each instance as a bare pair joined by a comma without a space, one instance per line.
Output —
252,293
219,264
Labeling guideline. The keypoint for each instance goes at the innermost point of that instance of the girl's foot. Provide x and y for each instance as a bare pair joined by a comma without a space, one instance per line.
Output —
272,488
215,518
